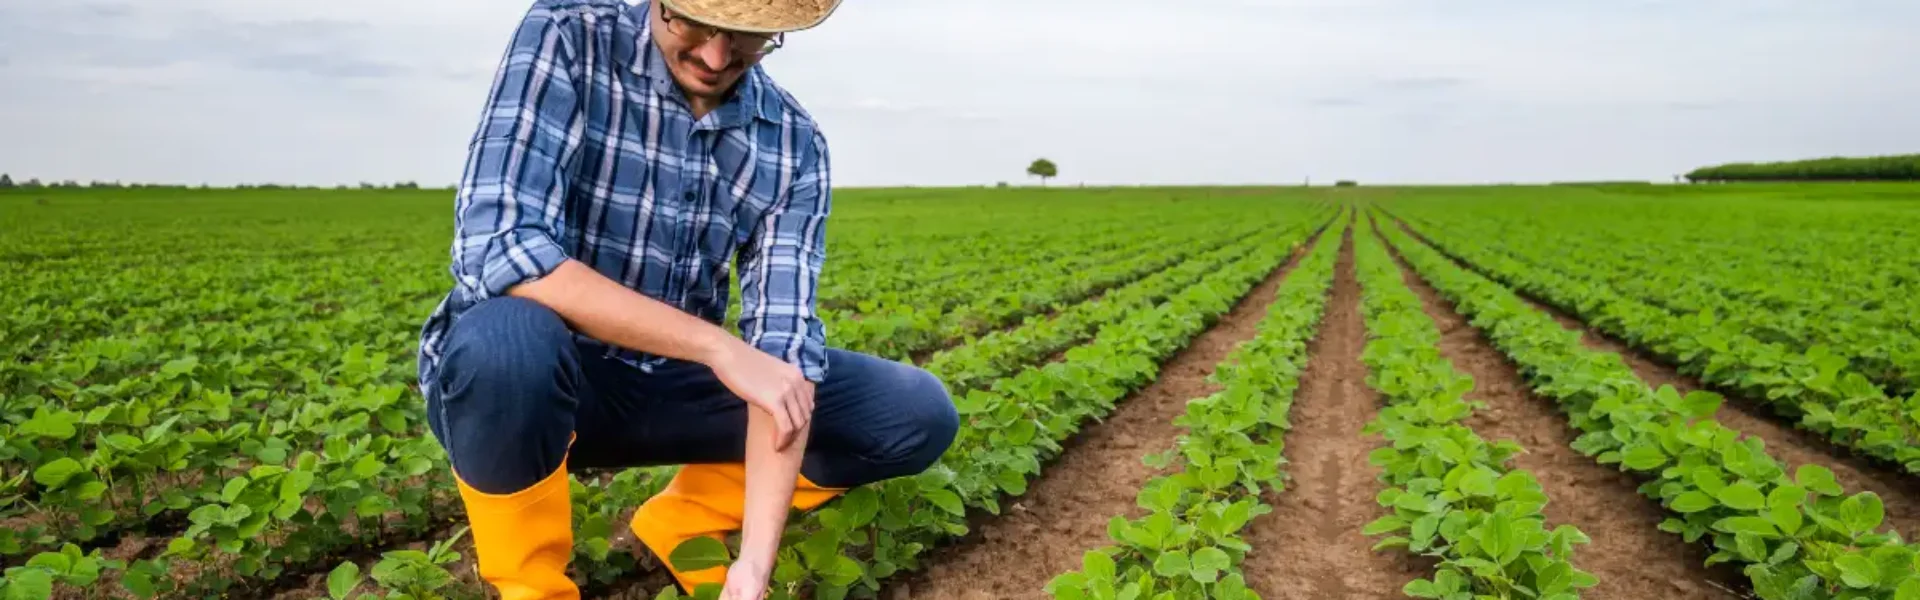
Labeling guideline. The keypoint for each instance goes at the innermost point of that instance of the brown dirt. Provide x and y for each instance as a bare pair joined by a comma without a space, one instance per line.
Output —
1065,512
1629,554
1310,546
1899,493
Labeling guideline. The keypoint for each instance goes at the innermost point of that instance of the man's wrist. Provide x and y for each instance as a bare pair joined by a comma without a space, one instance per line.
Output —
714,347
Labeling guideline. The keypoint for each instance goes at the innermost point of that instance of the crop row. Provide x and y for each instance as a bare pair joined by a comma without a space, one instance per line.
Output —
1802,291
1189,544
1002,298
1798,536
1814,387
985,360
1454,496
1007,431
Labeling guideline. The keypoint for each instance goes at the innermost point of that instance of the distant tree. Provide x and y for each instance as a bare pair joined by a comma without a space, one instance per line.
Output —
6,181
1345,183
31,183
1043,169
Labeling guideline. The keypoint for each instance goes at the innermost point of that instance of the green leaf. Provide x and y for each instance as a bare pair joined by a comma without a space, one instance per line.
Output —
1098,566
1421,588
947,500
1014,483
698,554
1817,478
861,506
842,571
1644,457
1208,563
1787,517
56,473
28,584
1857,571
1477,482
52,561
1700,404
1862,512
1743,496
342,580
1750,525
1692,502
1909,590
1172,564
1752,548
1385,524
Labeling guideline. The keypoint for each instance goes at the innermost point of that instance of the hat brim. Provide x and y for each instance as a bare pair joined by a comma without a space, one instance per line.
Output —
756,16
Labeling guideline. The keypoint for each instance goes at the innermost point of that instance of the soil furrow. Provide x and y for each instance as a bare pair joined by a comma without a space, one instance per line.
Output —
1900,493
1065,511
1311,546
1629,554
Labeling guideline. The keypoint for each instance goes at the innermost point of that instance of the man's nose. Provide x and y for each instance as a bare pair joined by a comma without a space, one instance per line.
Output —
714,54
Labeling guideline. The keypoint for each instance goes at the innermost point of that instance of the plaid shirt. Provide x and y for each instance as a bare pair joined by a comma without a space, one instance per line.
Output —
586,150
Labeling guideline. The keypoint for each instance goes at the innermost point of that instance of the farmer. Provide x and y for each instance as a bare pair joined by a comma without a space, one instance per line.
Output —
625,157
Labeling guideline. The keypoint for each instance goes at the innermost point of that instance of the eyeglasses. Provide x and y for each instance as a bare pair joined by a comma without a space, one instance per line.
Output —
697,33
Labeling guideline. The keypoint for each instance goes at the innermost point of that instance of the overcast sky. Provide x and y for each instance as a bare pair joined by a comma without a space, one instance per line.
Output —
968,92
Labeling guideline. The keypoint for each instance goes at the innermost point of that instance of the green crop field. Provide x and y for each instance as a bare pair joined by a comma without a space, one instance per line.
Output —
1597,390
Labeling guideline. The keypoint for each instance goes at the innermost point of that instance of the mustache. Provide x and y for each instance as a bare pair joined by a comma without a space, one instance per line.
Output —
688,56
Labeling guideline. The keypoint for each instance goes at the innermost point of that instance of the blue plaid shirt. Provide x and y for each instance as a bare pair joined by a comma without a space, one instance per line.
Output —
586,150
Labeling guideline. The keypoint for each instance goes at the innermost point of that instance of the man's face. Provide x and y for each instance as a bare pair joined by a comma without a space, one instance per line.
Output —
705,61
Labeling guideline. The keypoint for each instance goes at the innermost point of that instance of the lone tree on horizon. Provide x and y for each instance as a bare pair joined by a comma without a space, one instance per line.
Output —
6,181
1043,169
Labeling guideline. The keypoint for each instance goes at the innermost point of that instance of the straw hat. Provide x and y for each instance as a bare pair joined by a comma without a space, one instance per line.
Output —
756,16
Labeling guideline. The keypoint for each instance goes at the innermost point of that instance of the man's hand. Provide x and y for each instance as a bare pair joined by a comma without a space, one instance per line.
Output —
770,384
746,580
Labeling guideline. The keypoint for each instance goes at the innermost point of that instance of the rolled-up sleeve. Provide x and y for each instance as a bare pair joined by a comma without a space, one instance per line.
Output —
511,199
781,264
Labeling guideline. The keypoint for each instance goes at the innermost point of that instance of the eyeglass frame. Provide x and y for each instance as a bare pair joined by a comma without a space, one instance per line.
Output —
703,32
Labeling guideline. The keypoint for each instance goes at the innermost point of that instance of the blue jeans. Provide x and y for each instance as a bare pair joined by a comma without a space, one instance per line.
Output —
515,387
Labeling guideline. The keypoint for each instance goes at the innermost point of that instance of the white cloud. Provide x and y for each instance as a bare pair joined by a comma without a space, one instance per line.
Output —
923,92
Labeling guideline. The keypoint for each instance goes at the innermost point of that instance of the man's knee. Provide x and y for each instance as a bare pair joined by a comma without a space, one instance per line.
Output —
507,393
932,420
506,348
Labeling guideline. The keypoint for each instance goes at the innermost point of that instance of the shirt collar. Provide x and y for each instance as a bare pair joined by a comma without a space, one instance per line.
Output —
751,97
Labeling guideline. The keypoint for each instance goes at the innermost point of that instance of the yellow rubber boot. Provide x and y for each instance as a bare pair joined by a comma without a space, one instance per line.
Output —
706,500
524,540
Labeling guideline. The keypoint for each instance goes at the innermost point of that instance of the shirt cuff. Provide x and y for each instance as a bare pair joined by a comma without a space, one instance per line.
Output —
807,354
516,258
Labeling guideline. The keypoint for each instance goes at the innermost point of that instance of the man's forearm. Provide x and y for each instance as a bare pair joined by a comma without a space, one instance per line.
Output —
605,310
771,475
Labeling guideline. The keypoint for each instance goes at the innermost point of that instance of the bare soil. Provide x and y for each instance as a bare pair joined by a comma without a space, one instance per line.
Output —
1098,476
1311,546
1629,554
1899,492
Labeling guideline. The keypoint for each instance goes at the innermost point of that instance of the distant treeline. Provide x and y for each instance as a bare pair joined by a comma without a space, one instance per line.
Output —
1873,168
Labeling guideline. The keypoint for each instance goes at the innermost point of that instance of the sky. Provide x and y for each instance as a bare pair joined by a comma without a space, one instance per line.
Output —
924,92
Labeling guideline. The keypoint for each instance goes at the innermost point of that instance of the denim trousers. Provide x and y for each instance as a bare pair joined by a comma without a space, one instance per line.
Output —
516,395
